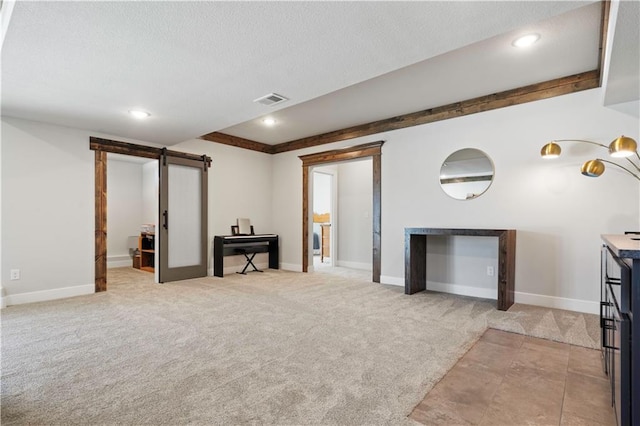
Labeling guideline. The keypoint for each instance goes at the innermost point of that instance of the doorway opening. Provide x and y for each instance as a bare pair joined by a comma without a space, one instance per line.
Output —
309,162
342,217
132,197
189,169
324,217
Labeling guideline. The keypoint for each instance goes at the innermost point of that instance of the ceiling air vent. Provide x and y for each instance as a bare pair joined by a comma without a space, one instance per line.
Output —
271,99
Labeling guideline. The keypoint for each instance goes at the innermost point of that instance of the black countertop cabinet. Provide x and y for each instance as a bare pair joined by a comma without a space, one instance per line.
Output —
620,294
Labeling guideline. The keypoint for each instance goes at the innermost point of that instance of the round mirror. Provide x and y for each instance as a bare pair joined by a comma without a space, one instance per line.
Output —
466,174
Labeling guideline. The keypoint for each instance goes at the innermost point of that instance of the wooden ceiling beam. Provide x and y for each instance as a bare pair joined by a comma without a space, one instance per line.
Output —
534,92
239,142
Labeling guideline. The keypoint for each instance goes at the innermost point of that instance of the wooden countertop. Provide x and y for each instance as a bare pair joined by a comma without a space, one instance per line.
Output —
624,246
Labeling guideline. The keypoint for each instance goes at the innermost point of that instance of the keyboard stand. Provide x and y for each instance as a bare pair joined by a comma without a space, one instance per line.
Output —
234,245
249,261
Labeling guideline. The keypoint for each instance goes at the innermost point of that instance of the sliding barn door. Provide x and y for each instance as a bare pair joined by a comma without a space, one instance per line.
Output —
183,219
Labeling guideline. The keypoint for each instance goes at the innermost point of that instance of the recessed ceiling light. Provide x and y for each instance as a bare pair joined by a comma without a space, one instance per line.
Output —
139,114
269,121
526,40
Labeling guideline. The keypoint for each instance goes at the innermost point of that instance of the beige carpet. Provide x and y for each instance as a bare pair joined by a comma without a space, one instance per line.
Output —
267,348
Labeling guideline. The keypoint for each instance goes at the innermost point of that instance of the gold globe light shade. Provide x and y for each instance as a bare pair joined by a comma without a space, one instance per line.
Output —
622,147
551,150
592,168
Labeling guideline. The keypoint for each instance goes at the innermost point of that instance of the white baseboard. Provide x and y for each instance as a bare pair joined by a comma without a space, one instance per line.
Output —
44,295
355,265
463,290
384,279
295,267
119,261
576,305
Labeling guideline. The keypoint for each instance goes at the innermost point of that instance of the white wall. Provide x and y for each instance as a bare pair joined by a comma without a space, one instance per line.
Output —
48,205
459,265
321,192
559,214
3,300
124,209
355,203
48,201
240,185
47,210
150,194
151,203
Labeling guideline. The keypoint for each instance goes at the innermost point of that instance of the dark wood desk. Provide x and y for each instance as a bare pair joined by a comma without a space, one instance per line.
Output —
415,259
234,245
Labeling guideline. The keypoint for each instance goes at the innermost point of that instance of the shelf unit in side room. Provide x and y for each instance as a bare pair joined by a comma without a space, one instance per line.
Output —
147,245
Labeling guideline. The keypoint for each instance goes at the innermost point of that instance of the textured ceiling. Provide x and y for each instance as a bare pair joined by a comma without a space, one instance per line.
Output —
197,66
489,66
623,73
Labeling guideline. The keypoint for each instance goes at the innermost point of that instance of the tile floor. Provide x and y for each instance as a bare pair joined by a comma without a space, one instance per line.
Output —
510,379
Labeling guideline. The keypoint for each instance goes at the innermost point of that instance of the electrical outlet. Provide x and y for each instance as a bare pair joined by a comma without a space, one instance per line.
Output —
490,271
15,274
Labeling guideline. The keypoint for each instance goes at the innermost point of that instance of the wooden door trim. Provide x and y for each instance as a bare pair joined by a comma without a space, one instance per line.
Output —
100,242
126,148
374,150
102,147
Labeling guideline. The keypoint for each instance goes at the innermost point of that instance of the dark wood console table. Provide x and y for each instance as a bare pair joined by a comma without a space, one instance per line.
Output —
415,259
